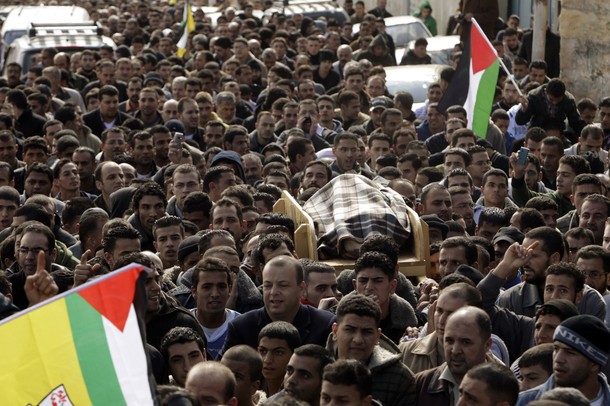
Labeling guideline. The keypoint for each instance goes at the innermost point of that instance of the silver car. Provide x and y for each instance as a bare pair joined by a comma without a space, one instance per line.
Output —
414,79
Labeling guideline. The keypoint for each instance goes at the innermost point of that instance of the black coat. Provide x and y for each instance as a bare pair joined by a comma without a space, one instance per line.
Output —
539,113
314,326
94,121
30,124
171,315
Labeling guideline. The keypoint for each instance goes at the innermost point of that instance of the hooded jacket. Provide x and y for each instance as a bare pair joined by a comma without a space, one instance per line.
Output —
232,157
385,59
429,22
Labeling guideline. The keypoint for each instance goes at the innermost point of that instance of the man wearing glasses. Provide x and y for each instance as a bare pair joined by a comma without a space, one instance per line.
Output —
594,261
34,239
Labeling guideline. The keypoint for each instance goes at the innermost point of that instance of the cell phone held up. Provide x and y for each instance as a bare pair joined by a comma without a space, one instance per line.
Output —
178,137
523,155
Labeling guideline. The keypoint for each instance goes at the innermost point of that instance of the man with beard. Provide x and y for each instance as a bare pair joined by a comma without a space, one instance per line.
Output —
462,204
149,204
108,114
185,180
141,149
593,214
36,243
581,347
264,133
435,199
547,248
161,139
227,215
113,144
189,116
148,108
317,174
134,87
253,168
467,338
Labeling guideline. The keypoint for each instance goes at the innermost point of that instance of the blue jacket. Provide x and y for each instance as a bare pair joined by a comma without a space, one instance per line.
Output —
535,393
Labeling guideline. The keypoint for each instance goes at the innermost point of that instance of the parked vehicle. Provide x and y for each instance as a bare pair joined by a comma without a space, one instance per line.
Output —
439,48
404,30
68,38
19,18
414,79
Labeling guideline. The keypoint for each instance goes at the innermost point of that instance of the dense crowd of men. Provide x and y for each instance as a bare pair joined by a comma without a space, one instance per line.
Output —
134,154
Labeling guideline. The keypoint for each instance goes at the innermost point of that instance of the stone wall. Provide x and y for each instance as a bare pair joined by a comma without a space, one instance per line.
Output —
584,27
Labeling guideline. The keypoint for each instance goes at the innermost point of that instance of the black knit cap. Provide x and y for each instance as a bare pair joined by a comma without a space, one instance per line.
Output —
564,309
471,273
586,334
188,246
434,221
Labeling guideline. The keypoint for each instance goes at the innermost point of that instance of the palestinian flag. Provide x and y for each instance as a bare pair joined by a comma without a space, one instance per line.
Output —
474,83
84,347
188,26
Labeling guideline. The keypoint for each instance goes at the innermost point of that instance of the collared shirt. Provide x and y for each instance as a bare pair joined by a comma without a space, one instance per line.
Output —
454,387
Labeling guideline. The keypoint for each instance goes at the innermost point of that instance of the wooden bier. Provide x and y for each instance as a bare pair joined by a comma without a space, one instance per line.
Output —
413,261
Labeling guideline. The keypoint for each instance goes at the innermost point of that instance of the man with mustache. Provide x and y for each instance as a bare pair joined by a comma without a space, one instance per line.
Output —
317,174
526,296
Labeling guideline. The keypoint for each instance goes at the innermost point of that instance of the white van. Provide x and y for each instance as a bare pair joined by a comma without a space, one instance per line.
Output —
19,19
64,37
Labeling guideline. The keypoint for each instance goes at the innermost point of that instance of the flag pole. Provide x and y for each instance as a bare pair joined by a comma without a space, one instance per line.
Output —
510,76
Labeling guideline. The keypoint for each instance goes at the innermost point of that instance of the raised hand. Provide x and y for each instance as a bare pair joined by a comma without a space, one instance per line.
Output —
524,102
518,169
515,257
84,271
40,286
